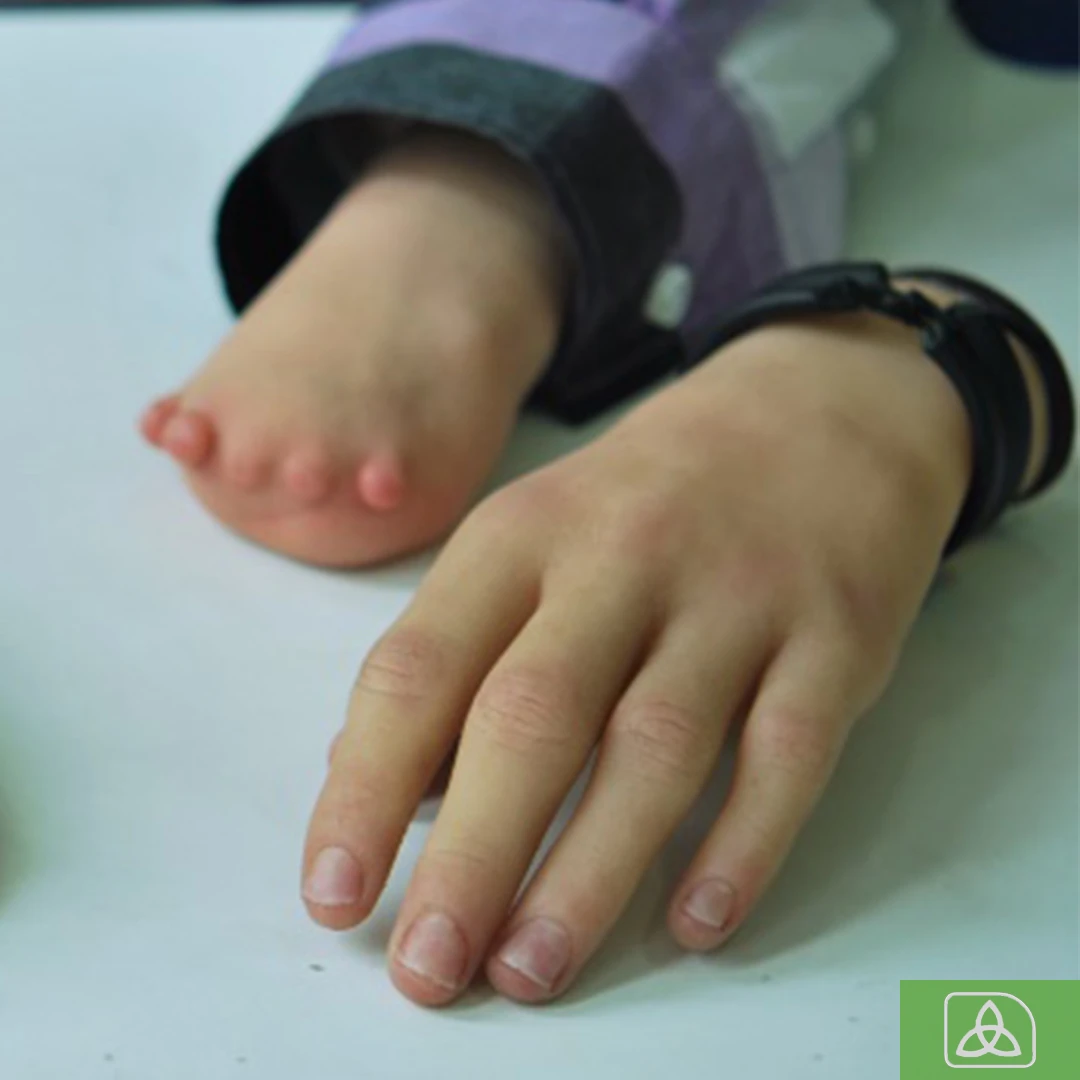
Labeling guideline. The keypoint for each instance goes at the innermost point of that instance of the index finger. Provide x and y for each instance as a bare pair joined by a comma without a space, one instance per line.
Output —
406,709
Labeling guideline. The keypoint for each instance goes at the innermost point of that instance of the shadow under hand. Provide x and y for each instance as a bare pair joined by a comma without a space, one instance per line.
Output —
922,774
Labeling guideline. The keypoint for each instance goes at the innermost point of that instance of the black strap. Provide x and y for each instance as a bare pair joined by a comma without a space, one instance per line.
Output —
968,342
1059,397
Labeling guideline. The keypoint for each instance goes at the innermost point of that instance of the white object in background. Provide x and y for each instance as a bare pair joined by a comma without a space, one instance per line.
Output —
804,64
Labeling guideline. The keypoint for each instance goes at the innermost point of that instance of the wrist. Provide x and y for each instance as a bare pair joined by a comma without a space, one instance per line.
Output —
865,375
977,407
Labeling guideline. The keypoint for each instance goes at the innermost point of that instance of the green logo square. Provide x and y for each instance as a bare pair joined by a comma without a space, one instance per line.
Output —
1027,1025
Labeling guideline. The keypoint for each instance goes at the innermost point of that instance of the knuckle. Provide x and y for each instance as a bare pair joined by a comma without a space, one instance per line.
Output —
661,738
524,711
793,743
406,664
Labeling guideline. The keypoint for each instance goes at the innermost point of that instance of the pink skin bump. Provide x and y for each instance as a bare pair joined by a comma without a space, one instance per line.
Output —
307,476
153,420
381,483
189,438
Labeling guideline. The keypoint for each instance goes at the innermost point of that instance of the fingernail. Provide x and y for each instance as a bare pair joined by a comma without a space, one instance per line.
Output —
335,879
540,951
710,904
434,948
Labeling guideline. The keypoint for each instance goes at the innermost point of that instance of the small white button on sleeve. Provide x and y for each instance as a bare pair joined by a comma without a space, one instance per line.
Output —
669,297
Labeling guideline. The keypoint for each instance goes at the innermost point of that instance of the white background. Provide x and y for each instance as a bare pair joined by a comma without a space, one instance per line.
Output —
167,692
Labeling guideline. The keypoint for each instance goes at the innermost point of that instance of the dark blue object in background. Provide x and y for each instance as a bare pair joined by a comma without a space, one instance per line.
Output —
1043,32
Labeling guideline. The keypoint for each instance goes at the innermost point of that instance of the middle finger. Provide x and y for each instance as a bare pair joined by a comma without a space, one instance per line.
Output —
528,735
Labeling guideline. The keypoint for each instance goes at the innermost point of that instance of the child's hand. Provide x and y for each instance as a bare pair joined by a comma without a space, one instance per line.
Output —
754,541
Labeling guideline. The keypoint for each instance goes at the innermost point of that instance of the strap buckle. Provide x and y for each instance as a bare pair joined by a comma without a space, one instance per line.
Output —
852,293
911,308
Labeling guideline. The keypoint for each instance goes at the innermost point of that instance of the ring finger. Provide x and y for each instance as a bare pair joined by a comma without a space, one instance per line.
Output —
796,729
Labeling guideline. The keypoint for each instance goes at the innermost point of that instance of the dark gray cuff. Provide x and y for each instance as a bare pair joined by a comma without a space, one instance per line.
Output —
619,201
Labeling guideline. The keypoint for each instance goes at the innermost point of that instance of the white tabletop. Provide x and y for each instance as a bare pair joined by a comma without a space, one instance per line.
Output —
167,692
